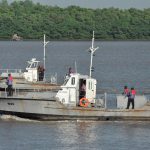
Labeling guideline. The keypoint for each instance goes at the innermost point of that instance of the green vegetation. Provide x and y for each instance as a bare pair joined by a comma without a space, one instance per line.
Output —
31,21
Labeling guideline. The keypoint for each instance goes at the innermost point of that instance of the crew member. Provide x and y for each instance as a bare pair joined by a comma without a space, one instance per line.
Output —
131,96
70,71
39,72
83,89
9,85
42,73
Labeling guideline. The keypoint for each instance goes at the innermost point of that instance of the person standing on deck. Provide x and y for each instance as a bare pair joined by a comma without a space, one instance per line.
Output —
83,89
9,85
131,97
39,72
42,73
70,71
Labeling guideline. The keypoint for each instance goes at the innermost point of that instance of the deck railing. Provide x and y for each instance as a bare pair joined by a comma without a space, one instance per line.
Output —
10,71
35,93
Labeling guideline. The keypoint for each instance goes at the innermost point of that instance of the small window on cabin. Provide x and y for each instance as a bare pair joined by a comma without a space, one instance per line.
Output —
73,81
32,66
65,82
90,85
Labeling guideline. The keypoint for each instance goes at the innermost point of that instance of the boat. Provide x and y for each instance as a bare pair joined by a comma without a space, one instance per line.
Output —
33,78
71,103
29,79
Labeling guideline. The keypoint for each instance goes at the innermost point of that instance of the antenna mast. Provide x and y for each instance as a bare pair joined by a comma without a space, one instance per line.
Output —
92,50
75,66
45,43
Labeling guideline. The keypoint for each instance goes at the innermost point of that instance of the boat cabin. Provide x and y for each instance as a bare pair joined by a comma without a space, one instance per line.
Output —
31,73
75,88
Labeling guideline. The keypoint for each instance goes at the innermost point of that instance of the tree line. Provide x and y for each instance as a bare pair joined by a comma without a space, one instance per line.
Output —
31,21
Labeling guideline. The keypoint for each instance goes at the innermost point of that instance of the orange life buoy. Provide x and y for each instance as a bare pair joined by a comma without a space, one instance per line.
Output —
84,102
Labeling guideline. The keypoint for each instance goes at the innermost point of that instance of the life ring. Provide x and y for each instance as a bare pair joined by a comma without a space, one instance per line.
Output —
84,102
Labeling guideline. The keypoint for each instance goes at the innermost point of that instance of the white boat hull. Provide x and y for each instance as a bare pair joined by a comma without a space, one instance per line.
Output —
51,109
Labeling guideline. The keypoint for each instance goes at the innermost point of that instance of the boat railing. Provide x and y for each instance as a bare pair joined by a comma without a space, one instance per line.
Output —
101,101
35,93
7,71
51,78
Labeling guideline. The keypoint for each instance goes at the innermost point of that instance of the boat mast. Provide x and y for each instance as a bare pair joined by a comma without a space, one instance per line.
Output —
45,43
75,63
92,50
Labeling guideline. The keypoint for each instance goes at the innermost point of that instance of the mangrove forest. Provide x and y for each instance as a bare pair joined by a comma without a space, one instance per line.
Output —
31,20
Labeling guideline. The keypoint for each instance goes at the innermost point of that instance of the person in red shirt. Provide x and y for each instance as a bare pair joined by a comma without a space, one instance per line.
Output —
9,84
131,96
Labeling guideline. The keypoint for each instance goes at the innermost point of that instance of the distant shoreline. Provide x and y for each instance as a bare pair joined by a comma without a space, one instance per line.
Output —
76,40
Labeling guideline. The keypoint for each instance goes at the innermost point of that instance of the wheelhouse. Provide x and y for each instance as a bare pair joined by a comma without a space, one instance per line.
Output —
72,91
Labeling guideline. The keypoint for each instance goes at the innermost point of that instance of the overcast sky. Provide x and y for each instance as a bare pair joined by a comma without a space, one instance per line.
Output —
125,4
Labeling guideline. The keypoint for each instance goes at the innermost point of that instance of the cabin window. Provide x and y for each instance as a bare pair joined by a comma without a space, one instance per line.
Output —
28,66
90,85
65,82
73,81
33,65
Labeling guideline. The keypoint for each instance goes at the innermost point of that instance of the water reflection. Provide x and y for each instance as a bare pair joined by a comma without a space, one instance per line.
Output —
74,135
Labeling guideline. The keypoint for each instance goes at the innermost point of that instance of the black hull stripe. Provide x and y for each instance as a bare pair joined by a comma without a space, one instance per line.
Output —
46,117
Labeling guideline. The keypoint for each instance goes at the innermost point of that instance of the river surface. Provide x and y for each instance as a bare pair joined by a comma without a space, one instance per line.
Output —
116,64
30,135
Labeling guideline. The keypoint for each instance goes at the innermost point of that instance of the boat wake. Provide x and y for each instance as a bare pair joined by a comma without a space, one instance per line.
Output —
15,118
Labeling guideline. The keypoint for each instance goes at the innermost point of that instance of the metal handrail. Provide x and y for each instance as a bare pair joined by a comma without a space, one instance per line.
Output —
11,70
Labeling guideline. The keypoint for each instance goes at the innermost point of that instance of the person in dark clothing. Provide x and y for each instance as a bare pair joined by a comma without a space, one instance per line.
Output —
83,89
39,72
42,73
70,71
9,85
131,96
